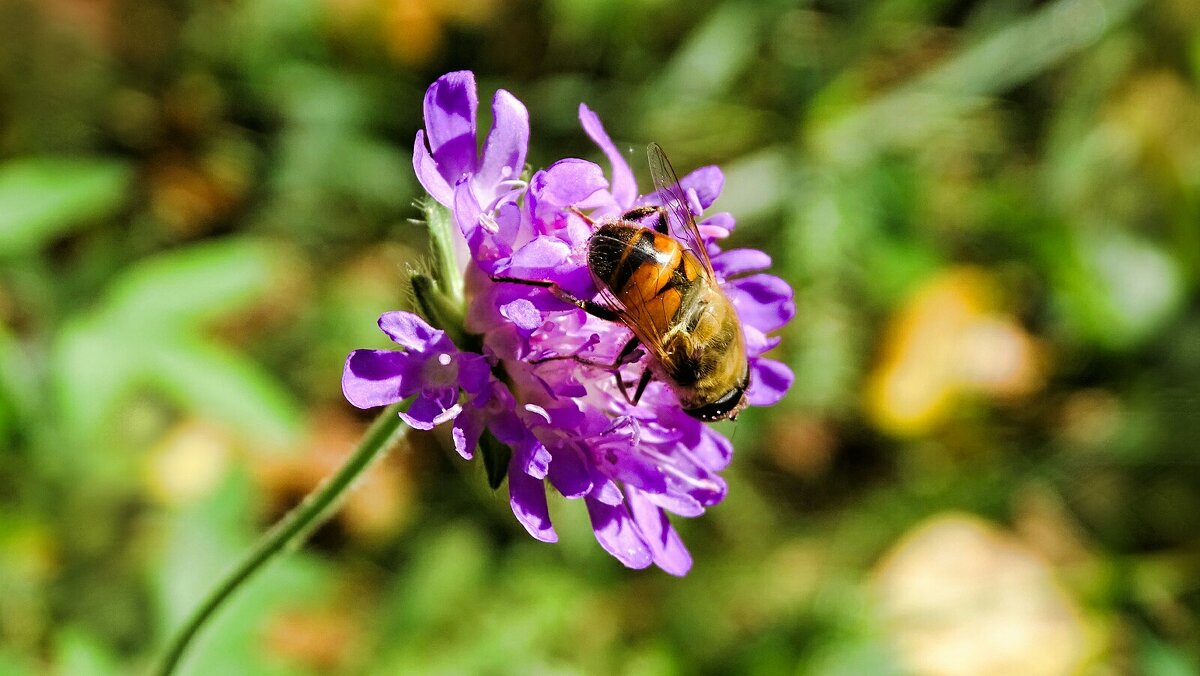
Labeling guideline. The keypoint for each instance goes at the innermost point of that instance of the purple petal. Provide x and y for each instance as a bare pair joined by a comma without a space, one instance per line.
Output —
676,503
522,314
431,409
506,144
565,183
538,257
605,490
410,331
707,182
466,214
379,377
713,449
466,432
739,261
632,470
624,185
618,534
527,497
758,342
450,105
531,457
568,474
769,381
762,301
665,545
474,373
428,174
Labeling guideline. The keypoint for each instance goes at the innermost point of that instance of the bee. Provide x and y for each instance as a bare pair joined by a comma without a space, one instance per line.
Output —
663,287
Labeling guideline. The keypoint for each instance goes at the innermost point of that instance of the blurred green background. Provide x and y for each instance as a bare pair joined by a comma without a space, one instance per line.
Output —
990,461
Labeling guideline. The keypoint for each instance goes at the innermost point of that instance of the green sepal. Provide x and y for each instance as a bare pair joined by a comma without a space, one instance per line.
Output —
495,459
439,309
442,234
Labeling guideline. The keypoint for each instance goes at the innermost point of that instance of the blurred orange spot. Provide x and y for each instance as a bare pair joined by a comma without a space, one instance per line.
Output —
1090,418
412,31
949,340
319,639
803,446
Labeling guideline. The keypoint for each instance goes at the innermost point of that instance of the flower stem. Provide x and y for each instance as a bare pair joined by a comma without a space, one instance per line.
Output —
291,530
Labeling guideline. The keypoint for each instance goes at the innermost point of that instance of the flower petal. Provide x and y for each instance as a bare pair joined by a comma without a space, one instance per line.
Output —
379,377
769,381
527,497
618,534
568,474
522,313
762,301
713,450
707,182
605,490
410,331
450,105
624,186
531,457
758,342
507,142
431,408
739,261
538,257
631,469
465,433
428,174
665,545
563,184
676,503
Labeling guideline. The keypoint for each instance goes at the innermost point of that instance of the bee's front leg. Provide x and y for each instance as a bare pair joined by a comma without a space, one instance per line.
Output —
591,307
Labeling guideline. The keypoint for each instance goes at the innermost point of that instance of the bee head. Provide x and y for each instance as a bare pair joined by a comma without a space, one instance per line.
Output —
727,407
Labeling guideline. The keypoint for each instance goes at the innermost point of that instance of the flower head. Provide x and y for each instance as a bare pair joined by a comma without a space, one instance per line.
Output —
550,381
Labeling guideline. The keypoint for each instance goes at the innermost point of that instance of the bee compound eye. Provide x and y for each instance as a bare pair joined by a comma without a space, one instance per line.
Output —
725,408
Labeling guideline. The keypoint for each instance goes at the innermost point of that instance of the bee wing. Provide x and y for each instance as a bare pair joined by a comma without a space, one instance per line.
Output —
679,215
639,318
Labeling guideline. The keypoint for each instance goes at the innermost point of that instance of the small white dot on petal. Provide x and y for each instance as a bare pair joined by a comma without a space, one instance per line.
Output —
444,359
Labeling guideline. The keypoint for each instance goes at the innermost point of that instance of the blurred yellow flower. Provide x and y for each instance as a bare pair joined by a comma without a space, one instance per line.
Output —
188,463
958,596
948,341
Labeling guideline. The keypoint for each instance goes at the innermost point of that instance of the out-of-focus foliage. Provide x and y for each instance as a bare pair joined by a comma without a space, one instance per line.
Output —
990,463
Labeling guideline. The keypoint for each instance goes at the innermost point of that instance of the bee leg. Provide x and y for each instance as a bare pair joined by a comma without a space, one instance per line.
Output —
614,367
591,307
586,219
642,383
637,214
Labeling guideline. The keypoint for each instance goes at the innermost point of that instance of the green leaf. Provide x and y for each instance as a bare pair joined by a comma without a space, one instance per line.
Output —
93,370
80,653
44,197
148,334
195,284
224,385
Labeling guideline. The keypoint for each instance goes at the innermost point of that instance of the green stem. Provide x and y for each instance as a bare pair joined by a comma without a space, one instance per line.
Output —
290,531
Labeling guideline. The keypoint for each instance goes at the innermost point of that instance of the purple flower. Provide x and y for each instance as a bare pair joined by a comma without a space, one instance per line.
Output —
451,155
535,385
430,369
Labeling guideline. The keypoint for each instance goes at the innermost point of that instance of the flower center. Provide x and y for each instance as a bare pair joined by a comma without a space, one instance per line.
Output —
441,371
